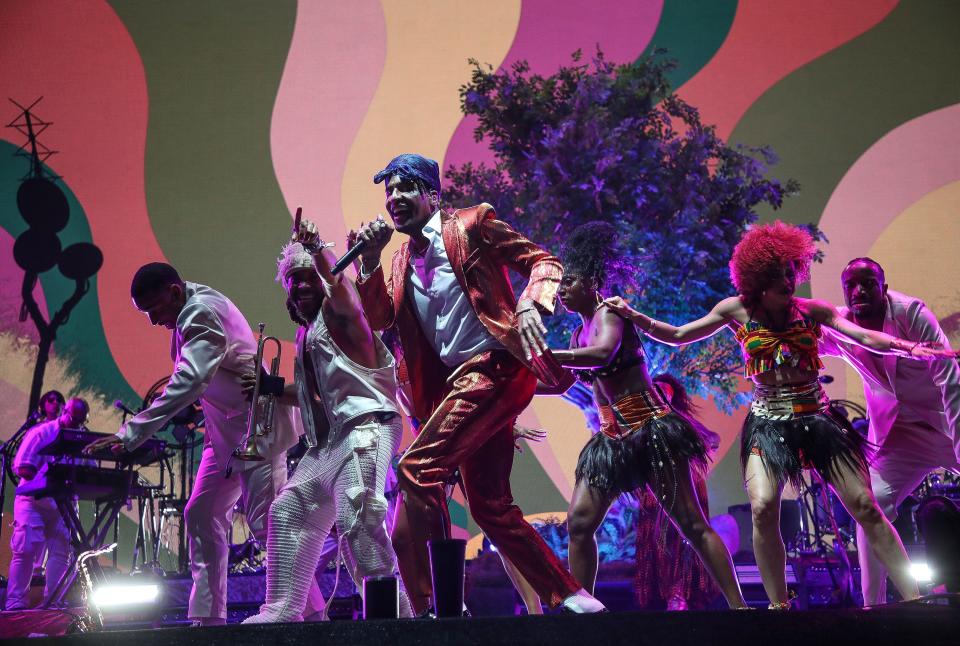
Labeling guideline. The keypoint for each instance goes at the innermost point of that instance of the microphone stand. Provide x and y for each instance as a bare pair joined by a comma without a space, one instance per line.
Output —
3,481
116,521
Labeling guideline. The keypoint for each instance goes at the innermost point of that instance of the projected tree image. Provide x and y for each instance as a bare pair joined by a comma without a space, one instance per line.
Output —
602,141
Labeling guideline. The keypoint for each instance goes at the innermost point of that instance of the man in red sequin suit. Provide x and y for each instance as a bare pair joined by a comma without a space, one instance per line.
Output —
469,347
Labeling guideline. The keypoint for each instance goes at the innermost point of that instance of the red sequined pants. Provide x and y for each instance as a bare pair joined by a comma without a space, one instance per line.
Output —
472,429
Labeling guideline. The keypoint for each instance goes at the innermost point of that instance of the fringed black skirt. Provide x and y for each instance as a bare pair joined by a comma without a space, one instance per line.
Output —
641,441
793,428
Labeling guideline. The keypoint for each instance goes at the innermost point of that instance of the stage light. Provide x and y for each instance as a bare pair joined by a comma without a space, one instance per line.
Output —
921,572
114,595
133,601
119,600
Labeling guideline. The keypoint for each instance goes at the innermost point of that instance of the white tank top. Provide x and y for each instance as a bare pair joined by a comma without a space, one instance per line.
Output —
346,389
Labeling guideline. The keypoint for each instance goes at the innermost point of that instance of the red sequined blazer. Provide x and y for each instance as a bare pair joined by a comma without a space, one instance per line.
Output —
480,248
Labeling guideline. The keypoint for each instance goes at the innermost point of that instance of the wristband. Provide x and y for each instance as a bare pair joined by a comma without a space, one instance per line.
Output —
314,248
363,275
902,347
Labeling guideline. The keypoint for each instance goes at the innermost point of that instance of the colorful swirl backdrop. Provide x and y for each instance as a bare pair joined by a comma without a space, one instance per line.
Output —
188,131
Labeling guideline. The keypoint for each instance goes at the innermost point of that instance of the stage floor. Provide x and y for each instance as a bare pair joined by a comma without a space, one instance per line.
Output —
905,624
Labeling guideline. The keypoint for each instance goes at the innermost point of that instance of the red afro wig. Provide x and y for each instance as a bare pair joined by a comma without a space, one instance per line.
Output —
760,255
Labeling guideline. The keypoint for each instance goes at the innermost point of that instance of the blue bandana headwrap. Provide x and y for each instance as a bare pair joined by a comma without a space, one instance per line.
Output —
412,167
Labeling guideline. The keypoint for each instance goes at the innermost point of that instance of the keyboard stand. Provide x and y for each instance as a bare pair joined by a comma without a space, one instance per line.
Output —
84,540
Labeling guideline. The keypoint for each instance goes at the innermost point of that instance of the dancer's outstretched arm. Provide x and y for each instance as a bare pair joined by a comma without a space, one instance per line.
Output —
723,314
875,340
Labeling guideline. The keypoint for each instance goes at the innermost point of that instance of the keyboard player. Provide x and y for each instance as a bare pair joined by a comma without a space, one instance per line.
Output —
37,524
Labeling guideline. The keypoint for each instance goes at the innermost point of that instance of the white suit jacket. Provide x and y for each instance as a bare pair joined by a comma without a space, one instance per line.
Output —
929,389
212,346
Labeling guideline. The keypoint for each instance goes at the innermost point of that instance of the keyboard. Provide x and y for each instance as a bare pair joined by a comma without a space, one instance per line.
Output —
88,483
71,442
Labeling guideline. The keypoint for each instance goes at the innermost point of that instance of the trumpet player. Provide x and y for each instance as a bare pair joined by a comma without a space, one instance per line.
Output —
212,346
346,387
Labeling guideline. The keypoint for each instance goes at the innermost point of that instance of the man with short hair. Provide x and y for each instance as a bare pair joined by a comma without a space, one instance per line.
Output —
37,523
470,348
212,347
913,406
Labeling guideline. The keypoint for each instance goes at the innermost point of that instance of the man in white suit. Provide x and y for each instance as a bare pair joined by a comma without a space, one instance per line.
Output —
913,406
212,346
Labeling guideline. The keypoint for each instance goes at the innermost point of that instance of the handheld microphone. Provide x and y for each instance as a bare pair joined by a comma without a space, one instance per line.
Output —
348,257
296,220
119,405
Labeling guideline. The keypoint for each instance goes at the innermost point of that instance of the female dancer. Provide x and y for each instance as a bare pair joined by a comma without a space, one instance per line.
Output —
789,426
641,441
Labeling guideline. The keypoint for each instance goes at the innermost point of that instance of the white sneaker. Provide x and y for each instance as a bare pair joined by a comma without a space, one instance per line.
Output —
582,602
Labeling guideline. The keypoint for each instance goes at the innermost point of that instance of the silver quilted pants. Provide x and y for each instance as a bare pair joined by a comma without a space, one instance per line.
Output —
340,483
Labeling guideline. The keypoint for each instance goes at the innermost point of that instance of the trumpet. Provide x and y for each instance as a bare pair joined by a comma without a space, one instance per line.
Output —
257,427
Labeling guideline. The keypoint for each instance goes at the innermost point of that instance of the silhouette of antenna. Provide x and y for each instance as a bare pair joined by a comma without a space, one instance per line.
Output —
32,126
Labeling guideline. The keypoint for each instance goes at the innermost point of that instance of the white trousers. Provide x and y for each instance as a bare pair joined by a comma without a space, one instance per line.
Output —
342,484
37,526
908,455
209,517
